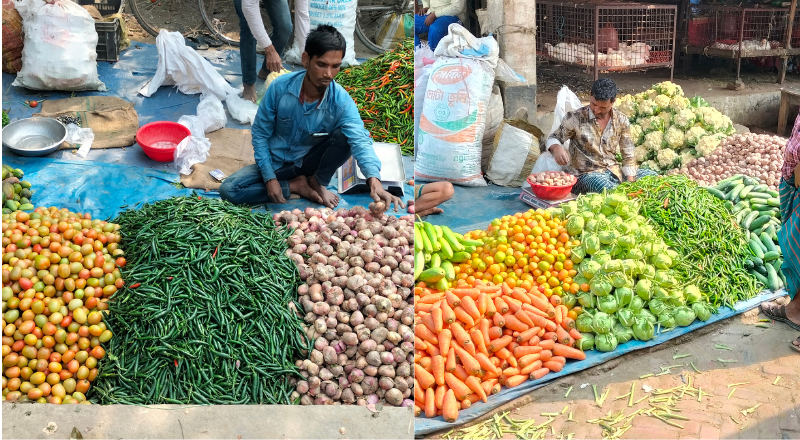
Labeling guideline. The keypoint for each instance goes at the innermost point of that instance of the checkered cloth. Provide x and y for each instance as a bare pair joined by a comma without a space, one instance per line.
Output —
598,181
791,156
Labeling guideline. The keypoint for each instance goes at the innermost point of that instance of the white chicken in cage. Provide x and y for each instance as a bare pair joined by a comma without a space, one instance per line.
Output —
584,54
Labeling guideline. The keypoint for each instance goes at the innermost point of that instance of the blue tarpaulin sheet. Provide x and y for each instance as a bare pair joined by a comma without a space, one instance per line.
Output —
109,178
423,426
473,208
102,189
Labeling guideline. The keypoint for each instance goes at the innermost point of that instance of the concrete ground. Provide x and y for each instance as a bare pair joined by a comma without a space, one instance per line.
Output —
205,422
761,355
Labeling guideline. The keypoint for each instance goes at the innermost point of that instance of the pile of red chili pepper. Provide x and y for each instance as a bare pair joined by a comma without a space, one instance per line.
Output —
383,89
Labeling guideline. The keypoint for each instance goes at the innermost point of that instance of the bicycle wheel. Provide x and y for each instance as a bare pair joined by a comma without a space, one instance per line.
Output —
371,14
220,17
173,15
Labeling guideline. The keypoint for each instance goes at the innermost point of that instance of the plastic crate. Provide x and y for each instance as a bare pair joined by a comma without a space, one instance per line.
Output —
108,35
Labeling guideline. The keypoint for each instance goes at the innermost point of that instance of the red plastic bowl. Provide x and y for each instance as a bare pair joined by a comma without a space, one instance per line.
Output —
161,131
550,192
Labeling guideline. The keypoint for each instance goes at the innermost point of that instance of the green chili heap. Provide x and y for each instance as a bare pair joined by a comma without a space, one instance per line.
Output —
699,227
206,315
383,89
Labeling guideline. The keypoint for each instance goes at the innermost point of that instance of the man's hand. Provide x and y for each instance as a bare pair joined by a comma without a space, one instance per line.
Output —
560,154
275,191
378,194
274,63
430,19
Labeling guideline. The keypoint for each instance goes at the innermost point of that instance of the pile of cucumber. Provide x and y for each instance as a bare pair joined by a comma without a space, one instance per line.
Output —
757,211
436,249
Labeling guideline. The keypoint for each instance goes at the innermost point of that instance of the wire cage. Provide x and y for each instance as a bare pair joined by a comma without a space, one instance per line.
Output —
732,32
606,37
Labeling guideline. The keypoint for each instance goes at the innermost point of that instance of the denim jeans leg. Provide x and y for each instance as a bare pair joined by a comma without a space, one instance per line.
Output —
324,159
247,186
247,47
281,18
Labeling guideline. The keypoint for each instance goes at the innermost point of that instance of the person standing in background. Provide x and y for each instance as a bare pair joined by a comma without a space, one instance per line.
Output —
434,18
789,236
252,31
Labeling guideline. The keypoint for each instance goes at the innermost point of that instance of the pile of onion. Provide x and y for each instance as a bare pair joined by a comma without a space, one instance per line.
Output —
358,273
754,155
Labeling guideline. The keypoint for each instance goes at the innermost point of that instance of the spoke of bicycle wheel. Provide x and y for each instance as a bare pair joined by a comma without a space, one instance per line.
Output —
172,15
221,18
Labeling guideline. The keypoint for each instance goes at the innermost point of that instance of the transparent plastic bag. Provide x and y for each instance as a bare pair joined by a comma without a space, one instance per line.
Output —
82,138
190,151
566,101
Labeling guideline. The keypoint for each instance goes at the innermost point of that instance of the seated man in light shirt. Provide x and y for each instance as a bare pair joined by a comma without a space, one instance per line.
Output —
307,126
595,133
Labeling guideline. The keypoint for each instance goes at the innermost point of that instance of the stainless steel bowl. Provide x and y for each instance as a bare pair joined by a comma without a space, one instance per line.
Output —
34,136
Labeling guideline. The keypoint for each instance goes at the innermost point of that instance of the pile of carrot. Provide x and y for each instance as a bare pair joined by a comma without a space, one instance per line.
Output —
472,340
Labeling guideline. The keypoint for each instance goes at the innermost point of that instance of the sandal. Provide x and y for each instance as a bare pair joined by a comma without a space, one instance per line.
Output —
195,44
795,347
778,313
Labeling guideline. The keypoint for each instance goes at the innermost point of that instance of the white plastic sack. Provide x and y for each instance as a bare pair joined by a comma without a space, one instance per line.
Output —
242,110
59,51
453,116
182,66
340,14
504,72
512,147
190,151
459,42
494,117
420,86
421,53
566,101
210,117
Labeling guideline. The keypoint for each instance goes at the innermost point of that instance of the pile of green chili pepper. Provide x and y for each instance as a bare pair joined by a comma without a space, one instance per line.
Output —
205,317
383,89
699,227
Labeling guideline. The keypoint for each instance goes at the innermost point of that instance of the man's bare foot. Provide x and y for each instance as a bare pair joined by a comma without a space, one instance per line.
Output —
249,92
430,211
299,185
330,199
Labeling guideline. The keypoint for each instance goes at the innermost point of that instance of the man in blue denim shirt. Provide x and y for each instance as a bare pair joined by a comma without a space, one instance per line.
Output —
307,126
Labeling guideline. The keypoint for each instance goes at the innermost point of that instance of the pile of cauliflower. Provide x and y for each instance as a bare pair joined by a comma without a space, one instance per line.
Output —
670,129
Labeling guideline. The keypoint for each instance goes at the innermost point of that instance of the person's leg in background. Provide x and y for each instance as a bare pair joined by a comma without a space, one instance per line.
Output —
595,182
430,195
321,163
281,18
419,28
439,29
247,52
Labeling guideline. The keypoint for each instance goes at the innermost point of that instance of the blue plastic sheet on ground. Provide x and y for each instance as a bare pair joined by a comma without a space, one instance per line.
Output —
423,426
473,208
106,189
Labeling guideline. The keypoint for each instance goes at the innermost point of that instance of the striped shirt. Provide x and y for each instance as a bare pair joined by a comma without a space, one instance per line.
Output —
791,156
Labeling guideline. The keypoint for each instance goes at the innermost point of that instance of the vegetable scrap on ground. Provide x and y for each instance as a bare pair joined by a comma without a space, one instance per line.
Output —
59,270
208,314
383,90
357,268
17,193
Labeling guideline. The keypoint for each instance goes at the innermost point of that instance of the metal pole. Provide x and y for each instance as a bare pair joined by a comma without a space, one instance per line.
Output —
674,51
596,38
741,40
788,45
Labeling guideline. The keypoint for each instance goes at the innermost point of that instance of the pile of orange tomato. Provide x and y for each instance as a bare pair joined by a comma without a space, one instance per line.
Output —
528,250
59,269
